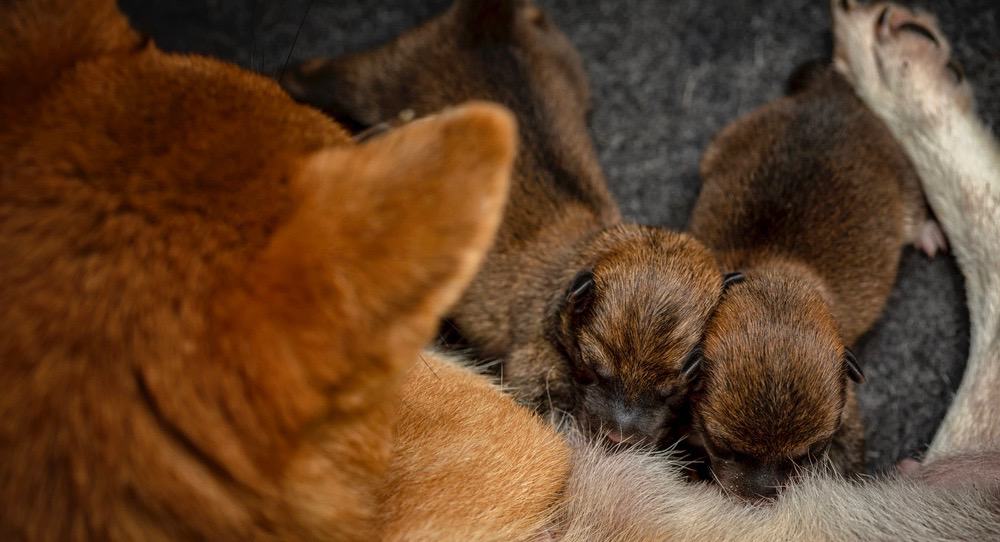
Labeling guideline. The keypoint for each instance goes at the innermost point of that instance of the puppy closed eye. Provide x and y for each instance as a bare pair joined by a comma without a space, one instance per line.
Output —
590,371
727,455
816,452
666,391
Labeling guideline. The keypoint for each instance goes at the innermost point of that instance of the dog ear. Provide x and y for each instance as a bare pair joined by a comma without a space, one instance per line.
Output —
387,235
853,367
692,362
580,294
729,279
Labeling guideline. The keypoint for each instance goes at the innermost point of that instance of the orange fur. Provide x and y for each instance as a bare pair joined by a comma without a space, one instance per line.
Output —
210,301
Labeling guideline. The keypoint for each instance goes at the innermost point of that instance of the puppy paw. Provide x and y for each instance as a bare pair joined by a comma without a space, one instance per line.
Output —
930,239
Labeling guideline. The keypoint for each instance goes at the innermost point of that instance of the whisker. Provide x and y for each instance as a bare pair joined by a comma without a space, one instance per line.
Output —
428,365
719,482
295,40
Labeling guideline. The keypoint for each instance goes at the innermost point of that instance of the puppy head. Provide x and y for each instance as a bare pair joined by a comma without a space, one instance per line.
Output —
773,384
630,323
506,51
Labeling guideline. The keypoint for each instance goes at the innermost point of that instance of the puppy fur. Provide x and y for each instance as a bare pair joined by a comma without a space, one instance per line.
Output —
647,291
812,198
915,86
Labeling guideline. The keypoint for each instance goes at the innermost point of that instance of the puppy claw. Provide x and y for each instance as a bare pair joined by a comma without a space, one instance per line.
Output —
930,239
908,466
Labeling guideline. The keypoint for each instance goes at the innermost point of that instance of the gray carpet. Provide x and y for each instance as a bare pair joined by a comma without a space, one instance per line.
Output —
666,76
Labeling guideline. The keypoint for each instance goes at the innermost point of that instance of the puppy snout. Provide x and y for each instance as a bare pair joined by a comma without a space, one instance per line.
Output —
625,427
764,483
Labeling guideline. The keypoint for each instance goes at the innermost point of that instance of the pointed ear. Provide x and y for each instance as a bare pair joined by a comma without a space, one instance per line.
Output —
692,363
389,233
729,279
580,295
853,367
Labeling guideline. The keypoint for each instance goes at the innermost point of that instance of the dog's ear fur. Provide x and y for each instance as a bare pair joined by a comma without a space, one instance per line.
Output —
389,232
351,288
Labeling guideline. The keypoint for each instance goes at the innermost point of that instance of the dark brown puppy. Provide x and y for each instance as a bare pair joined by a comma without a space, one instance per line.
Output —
584,310
812,199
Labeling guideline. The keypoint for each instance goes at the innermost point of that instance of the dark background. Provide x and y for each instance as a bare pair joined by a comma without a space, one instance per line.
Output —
666,76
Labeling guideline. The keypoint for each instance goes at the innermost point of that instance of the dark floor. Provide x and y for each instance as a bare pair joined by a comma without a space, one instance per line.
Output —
666,76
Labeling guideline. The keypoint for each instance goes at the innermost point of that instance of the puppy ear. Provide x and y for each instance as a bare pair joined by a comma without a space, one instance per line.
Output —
729,279
580,295
853,367
388,234
692,362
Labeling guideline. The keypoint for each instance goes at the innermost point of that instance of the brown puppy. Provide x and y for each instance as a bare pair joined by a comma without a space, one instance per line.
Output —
587,313
812,199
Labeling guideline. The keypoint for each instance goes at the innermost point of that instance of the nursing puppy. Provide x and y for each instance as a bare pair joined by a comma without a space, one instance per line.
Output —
905,77
900,63
811,200
586,313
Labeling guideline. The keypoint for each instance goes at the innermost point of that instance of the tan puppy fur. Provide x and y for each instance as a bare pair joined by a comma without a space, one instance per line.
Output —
813,199
911,82
586,314
498,470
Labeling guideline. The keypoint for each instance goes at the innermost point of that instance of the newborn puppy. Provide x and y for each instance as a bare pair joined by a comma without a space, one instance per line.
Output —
811,199
630,325
588,314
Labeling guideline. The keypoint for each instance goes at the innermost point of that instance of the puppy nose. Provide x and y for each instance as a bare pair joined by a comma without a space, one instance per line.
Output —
765,482
625,418
624,427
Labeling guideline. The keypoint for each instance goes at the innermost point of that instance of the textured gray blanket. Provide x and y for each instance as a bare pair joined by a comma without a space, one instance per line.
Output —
666,76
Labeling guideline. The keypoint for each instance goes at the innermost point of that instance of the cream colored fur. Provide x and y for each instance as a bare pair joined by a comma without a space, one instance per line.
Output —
903,78
632,497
